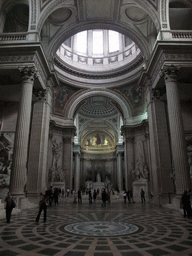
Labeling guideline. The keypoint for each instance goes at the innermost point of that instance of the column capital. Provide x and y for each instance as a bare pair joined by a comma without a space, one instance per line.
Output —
169,72
156,94
40,94
28,73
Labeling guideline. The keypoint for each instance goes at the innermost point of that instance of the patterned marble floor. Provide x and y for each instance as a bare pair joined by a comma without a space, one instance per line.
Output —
91,230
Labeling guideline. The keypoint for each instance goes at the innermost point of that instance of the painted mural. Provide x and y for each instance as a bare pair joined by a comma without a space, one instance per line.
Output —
98,143
62,94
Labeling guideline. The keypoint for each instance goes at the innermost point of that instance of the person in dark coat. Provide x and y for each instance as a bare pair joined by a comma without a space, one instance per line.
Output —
104,198
142,195
185,199
90,196
94,195
42,206
8,206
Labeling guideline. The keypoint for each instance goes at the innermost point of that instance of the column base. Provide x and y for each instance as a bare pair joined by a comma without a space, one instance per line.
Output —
24,203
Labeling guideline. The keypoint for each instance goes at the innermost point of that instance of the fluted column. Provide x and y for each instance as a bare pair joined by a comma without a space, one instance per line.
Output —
130,159
119,171
178,144
37,162
18,173
77,170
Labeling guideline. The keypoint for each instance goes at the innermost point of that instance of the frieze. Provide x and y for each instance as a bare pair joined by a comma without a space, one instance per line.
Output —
65,132
16,58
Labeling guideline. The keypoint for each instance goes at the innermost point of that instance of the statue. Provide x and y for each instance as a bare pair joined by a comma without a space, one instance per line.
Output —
98,177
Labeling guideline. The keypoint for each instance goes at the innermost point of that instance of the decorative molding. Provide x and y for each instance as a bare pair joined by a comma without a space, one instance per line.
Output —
40,94
48,10
180,34
169,56
169,72
78,73
156,94
33,14
15,37
164,21
17,59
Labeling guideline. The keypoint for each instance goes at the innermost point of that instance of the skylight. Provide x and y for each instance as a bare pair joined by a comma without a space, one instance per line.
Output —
113,41
81,45
98,42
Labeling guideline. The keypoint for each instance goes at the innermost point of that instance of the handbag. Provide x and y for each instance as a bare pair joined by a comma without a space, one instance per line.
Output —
13,204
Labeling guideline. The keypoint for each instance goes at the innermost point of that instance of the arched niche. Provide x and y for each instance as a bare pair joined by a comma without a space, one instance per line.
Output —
17,19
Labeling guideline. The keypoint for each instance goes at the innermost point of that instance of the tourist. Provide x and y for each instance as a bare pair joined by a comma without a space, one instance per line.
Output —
42,206
94,195
125,195
79,196
186,204
90,196
142,195
104,198
9,205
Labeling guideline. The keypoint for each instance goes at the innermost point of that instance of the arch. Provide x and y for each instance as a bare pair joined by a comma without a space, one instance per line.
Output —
122,104
6,7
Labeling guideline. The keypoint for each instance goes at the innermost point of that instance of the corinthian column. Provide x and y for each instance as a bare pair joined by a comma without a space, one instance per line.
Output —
77,170
119,170
178,144
18,173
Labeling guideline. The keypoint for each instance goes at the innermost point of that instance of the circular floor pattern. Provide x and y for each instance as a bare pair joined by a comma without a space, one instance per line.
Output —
101,228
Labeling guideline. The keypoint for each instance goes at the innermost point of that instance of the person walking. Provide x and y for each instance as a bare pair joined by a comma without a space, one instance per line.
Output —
125,195
94,195
142,196
79,196
42,206
90,196
104,198
9,205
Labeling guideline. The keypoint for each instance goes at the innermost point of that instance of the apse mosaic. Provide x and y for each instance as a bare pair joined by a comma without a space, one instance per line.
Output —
98,142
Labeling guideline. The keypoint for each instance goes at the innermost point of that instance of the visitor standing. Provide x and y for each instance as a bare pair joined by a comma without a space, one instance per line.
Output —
9,205
42,207
142,196
104,198
94,195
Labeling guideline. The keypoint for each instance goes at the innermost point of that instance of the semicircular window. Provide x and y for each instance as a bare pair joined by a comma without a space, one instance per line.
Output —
98,50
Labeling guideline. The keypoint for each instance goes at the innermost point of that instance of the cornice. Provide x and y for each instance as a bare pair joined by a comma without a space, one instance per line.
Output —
20,55
89,75
166,53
